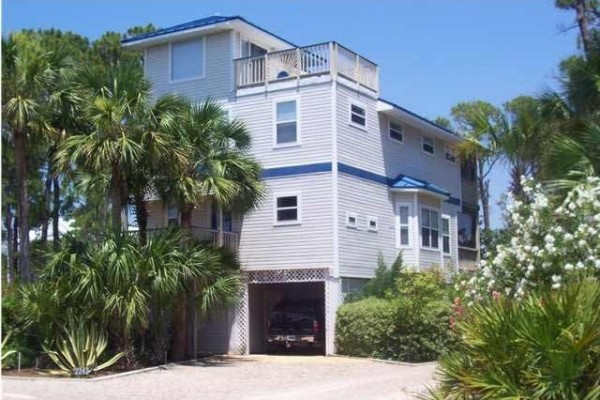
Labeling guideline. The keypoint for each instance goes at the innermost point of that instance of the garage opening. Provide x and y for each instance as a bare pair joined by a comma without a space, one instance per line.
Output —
287,317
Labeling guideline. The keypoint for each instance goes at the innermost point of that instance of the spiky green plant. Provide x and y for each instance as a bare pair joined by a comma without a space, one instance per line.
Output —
546,346
4,353
79,350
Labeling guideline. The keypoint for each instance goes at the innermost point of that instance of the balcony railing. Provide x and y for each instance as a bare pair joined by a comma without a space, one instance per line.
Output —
319,59
214,237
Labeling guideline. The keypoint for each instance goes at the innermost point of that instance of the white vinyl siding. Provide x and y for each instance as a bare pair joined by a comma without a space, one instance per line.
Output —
217,75
286,123
187,60
360,247
430,228
265,246
313,112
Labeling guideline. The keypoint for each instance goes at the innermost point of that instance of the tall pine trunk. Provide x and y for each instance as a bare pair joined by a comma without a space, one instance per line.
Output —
179,344
56,212
186,217
22,204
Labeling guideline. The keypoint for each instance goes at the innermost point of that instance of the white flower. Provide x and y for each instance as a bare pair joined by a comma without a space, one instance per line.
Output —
556,278
556,286
569,266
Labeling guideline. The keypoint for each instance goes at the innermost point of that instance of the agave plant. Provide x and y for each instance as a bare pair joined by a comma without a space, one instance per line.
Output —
5,353
79,350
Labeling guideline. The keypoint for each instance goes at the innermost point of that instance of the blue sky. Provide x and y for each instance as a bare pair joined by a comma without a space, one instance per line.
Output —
432,53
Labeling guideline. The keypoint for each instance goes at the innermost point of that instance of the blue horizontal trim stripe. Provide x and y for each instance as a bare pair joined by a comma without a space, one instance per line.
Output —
296,170
453,200
361,173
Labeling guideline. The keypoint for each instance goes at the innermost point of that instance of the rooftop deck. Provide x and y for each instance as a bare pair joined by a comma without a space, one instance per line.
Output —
328,58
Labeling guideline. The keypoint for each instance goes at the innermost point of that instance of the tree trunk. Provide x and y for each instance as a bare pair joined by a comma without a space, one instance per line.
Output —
178,346
141,215
22,204
484,195
116,200
56,212
186,217
10,272
46,212
584,28
15,246
190,348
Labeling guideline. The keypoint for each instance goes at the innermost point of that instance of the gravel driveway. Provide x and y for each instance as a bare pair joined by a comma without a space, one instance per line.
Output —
241,378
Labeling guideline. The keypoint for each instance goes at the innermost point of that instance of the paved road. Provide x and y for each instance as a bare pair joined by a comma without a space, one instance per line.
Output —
242,378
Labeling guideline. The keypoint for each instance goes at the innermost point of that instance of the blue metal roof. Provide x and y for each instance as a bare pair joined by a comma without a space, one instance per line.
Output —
216,19
414,114
406,182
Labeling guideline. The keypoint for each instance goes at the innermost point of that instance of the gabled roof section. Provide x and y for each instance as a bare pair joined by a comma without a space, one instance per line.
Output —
407,182
387,107
196,25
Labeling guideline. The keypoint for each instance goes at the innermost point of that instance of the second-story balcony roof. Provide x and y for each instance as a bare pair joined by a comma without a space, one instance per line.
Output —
321,59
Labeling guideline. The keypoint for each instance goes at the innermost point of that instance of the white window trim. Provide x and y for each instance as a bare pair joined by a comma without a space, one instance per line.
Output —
423,142
298,141
364,107
446,217
193,78
167,215
298,221
389,132
439,248
351,215
447,146
399,245
372,219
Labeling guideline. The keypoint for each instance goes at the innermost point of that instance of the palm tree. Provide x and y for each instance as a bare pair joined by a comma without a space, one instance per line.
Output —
111,98
27,78
477,122
128,289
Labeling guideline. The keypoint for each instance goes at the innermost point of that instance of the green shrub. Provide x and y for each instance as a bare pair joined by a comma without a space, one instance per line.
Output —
364,327
542,347
411,323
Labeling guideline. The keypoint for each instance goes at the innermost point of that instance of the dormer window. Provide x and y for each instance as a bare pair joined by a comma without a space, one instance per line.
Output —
187,60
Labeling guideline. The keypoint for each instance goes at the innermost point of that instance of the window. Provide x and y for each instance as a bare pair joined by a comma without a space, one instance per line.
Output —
467,228
187,59
396,131
351,220
287,209
428,144
446,234
449,154
249,49
172,216
403,231
286,130
372,224
358,115
430,228
467,170
214,219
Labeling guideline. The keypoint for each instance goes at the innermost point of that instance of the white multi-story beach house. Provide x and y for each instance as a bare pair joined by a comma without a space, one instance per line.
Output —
349,175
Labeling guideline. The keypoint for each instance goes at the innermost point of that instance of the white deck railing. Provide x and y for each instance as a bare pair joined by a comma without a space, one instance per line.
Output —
319,59
214,237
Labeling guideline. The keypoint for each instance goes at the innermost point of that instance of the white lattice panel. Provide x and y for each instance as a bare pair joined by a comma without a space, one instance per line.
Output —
287,275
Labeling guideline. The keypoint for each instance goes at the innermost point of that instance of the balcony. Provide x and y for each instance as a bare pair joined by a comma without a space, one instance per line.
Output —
213,237
326,59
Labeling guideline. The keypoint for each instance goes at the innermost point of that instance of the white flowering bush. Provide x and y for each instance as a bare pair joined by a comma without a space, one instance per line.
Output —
552,242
